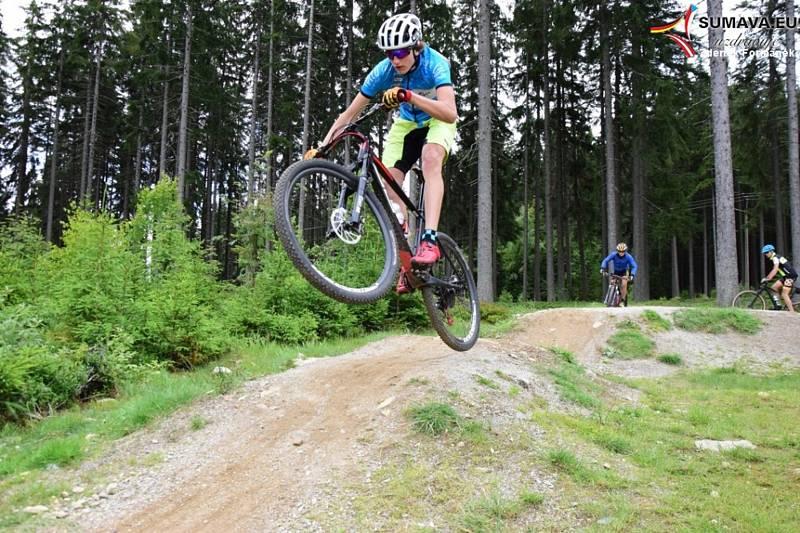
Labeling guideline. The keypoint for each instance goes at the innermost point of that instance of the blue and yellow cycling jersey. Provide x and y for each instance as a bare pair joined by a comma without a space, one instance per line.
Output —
431,72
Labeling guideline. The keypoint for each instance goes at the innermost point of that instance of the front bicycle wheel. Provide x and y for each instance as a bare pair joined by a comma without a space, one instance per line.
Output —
453,305
749,300
348,252
611,293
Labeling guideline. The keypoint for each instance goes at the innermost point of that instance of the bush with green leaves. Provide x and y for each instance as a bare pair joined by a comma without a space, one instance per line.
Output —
176,312
90,282
21,250
35,377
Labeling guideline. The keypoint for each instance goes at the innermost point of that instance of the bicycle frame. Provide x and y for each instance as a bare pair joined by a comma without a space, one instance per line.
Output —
776,299
370,167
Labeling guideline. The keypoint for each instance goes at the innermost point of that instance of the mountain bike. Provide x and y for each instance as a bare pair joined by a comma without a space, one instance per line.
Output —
337,227
613,295
750,299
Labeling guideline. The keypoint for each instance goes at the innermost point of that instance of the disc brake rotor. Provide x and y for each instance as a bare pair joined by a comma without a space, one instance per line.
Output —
341,228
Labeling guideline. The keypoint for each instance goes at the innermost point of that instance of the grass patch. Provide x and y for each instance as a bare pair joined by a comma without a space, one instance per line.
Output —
565,355
674,487
489,513
629,344
197,423
717,320
514,390
671,359
655,321
574,386
568,463
629,324
434,419
531,498
486,382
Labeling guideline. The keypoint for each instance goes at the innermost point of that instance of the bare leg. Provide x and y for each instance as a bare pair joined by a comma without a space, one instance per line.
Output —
624,287
399,177
432,160
787,299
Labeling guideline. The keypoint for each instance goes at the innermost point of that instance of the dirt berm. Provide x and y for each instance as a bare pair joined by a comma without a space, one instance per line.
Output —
277,452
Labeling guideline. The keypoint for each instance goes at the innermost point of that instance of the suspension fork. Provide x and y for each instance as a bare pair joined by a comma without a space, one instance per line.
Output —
363,163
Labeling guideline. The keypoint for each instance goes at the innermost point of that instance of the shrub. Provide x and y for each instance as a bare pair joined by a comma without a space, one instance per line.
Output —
175,314
35,376
90,280
21,250
492,313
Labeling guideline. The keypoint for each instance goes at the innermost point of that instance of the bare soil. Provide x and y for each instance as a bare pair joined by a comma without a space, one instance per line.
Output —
276,452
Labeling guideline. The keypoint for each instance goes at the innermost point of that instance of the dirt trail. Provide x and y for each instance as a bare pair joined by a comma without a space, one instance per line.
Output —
274,449
270,445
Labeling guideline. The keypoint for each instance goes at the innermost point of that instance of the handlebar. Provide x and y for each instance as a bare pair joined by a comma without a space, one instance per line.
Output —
352,126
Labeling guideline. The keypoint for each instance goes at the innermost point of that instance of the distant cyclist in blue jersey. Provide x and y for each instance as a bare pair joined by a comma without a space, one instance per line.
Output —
416,78
623,262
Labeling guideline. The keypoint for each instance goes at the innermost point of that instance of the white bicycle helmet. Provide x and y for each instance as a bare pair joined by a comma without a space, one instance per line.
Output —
399,31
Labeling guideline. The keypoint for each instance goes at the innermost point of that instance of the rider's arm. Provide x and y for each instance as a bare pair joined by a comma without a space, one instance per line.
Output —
443,108
604,264
355,107
773,272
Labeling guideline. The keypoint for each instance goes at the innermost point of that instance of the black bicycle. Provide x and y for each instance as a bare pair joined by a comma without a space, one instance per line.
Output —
750,299
614,295
337,227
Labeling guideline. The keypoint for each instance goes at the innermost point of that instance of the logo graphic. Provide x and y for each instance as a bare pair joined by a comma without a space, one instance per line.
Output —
684,43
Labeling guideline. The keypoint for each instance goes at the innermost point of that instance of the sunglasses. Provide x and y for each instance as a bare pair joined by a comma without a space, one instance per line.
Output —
399,54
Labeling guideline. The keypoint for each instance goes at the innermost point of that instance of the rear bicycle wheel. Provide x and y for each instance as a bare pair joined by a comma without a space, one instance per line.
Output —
453,307
353,261
749,300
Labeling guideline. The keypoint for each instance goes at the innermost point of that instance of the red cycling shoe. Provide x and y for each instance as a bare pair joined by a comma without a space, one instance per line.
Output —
427,254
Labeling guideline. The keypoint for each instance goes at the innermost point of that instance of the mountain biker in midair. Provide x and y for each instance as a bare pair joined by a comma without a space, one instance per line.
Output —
623,261
783,272
416,79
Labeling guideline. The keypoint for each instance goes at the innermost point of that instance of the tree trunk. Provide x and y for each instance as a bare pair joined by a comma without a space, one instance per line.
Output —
270,96
761,272
611,181
87,122
642,286
676,288
537,203
548,188
93,133
525,172
349,98
794,151
23,183
54,157
745,249
306,111
251,147
690,257
705,252
184,124
726,268
137,171
485,270
777,176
